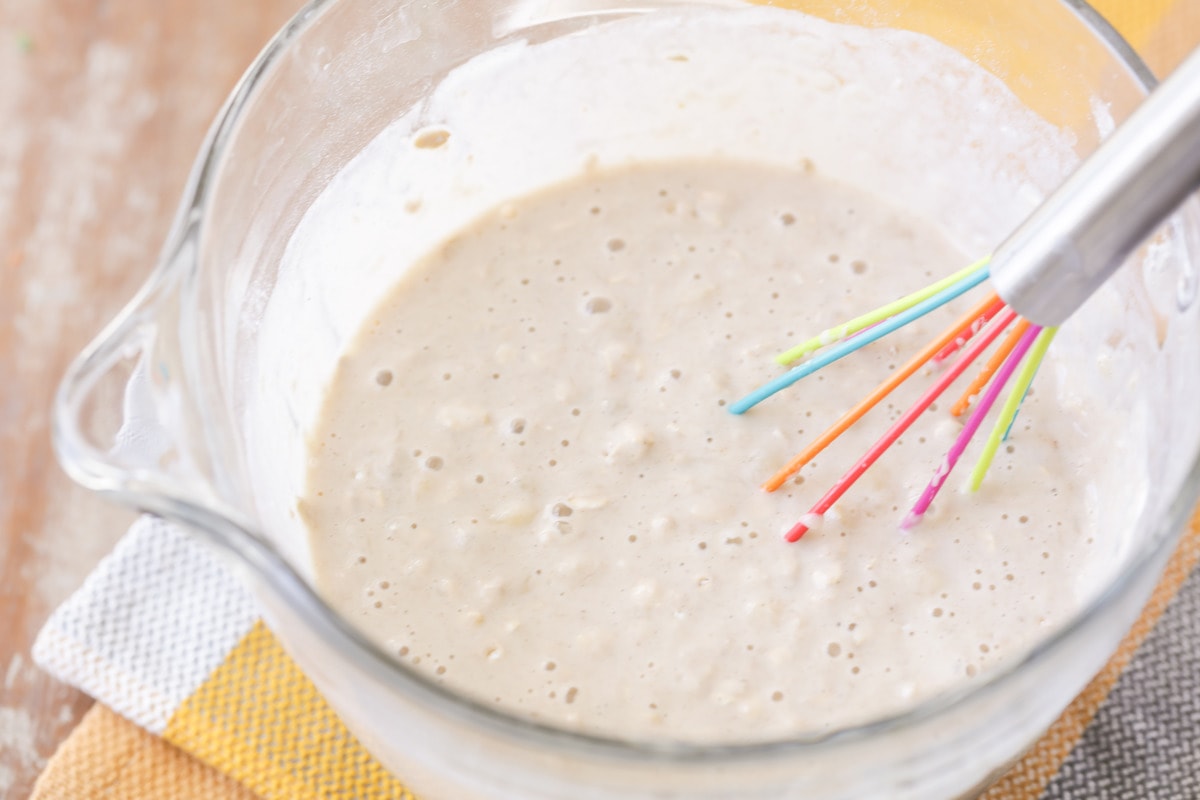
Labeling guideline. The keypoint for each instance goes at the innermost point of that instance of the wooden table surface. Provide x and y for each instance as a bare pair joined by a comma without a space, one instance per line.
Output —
103,106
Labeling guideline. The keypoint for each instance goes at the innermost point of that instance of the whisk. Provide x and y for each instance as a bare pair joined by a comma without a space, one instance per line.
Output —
1040,276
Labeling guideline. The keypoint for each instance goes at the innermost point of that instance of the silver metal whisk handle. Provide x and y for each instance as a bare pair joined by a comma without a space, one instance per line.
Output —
1082,233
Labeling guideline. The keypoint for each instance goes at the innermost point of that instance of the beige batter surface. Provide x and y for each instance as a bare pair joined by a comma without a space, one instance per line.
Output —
525,483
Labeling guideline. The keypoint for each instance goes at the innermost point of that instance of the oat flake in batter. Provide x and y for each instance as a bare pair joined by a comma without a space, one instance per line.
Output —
525,484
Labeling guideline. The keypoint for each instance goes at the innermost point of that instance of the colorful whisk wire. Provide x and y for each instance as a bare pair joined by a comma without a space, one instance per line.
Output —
880,322
1016,359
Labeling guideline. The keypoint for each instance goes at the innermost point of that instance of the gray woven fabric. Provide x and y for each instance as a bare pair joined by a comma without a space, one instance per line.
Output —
1144,743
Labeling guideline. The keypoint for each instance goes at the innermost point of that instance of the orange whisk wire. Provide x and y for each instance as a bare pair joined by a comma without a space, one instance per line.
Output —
954,346
992,303
989,369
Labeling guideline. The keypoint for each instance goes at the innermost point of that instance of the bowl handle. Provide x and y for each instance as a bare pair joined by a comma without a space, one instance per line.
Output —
122,421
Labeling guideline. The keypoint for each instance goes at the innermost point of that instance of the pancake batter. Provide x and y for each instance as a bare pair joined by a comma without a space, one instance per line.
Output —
525,483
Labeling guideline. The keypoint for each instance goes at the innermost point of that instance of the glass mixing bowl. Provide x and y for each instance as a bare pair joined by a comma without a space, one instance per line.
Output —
187,407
